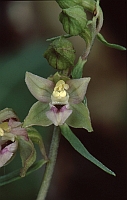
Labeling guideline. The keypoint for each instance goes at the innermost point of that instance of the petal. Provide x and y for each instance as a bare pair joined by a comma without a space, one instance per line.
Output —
8,136
58,117
80,117
7,153
16,129
77,89
40,88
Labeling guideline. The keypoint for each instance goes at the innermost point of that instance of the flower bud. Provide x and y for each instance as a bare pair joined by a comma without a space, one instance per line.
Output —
60,54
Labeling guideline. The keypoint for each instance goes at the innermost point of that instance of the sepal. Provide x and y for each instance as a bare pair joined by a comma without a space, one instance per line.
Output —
77,89
40,88
36,138
27,154
37,115
80,117
6,114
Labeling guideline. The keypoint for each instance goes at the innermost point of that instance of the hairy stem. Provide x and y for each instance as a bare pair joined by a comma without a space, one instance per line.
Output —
97,23
57,37
50,165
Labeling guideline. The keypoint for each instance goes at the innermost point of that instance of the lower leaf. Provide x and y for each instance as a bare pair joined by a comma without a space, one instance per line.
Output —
79,147
15,175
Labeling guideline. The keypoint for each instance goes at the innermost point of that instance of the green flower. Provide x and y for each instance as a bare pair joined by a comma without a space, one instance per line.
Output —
60,100
10,131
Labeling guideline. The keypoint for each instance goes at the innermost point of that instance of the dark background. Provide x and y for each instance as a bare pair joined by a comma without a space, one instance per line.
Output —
24,28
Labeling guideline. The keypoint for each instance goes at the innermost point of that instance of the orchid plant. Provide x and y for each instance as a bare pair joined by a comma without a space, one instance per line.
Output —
61,98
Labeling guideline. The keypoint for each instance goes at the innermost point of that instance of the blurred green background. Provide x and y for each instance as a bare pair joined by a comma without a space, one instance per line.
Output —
24,28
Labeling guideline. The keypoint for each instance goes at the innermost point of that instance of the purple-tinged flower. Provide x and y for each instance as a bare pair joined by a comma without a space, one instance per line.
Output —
9,133
60,100
58,115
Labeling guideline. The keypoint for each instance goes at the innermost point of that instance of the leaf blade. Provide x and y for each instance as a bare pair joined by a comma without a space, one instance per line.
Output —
73,19
13,176
78,146
115,46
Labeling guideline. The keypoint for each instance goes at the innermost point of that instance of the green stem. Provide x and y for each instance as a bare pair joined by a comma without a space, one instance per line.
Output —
57,37
96,25
50,165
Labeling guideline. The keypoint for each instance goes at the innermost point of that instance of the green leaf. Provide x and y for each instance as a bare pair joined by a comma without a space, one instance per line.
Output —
86,4
87,35
36,138
15,175
37,116
60,54
78,146
68,3
27,153
77,71
115,46
73,20
80,117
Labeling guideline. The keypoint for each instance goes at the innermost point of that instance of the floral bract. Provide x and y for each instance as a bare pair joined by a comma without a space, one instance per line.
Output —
59,101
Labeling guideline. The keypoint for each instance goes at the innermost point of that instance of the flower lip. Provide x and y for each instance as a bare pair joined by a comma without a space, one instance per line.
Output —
6,144
58,106
7,120
58,114
7,152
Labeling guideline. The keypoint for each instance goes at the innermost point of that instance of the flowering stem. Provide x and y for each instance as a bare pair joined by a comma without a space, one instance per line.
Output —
97,23
57,37
50,165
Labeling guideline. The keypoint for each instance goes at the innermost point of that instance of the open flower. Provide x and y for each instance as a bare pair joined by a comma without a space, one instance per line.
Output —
9,131
13,137
59,101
